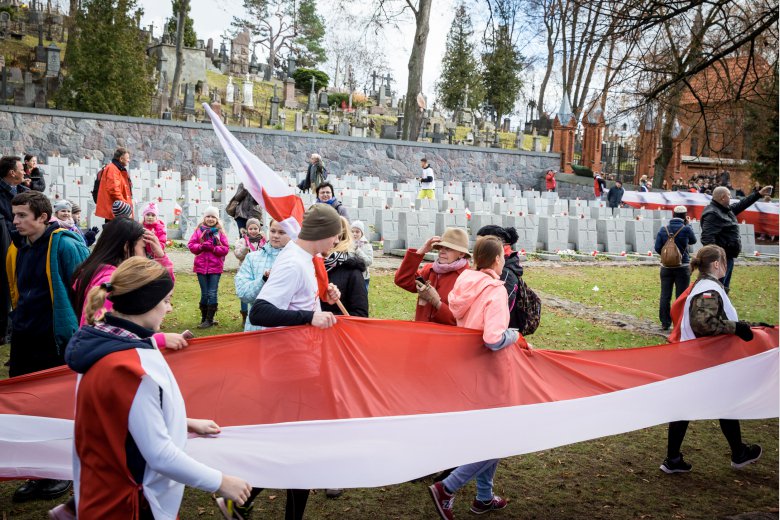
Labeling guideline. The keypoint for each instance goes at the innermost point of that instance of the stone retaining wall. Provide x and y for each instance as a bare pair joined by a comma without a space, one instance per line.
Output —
184,146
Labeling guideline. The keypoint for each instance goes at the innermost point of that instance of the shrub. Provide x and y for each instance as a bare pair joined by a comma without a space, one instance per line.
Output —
337,97
303,77
582,171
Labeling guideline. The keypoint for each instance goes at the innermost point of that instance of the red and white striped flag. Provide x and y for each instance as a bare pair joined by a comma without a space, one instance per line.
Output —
372,402
266,187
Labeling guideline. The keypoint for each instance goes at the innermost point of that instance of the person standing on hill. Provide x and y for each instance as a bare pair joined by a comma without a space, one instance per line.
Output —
615,195
115,185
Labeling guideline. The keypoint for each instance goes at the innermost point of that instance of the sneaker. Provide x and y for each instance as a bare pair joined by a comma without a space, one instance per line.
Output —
478,506
677,465
62,512
750,453
232,511
442,500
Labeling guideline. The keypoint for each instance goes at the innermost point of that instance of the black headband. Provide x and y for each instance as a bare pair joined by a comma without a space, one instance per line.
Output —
142,300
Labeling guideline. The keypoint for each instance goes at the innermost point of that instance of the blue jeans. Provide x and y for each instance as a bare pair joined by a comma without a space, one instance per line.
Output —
726,280
367,280
209,283
244,306
482,471
678,278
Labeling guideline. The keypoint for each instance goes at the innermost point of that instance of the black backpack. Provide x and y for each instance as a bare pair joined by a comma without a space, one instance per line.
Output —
96,185
528,307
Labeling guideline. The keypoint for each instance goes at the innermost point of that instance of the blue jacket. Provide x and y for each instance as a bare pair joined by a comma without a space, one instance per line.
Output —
64,253
683,238
249,279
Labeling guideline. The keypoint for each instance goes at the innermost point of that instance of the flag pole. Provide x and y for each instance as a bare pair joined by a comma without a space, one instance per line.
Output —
342,308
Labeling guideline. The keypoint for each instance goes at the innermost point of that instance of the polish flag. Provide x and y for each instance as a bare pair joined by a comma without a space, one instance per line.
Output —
764,216
266,187
373,402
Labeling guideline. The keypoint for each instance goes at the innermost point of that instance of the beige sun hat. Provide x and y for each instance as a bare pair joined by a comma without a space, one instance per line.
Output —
456,239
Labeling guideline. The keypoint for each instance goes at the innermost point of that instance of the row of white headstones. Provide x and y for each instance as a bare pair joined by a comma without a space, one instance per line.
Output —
390,211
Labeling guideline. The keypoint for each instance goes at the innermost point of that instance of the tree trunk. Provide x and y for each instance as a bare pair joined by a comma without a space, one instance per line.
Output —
550,62
663,159
184,8
416,64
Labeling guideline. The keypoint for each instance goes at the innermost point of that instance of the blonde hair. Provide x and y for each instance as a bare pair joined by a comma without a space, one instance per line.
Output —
346,242
131,274
486,249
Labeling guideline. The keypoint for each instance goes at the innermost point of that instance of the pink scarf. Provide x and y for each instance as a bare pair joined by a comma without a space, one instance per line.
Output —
457,265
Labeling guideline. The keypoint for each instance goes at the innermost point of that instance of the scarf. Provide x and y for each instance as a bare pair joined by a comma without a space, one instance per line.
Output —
458,264
210,233
67,224
331,201
335,260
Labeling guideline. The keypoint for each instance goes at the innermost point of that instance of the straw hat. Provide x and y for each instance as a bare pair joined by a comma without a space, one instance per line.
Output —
456,239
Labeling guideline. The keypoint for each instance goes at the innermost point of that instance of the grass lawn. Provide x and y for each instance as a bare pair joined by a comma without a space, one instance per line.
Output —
615,477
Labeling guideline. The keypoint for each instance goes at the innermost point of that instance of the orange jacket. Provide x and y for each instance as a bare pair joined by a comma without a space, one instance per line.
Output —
114,185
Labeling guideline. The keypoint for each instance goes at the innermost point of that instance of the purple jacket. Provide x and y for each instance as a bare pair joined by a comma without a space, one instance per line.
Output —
208,261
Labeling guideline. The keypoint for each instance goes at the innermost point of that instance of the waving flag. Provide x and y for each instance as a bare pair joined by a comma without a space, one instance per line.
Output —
762,215
371,402
266,187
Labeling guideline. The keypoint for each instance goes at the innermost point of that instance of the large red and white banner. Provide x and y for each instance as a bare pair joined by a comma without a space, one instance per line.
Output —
373,402
763,215
266,187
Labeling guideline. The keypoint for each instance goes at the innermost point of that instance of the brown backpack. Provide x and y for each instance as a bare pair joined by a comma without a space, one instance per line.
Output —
670,253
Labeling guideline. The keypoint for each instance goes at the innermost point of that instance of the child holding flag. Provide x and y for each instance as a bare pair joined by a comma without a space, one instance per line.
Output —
210,247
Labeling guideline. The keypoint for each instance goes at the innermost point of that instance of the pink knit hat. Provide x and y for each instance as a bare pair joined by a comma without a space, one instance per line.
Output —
150,208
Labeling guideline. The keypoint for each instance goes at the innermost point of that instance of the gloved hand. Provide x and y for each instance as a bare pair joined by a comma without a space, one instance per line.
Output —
743,331
208,245
429,294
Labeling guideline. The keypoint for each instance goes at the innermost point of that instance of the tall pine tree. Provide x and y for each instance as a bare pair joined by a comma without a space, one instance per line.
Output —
503,65
190,38
459,66
307,45
108,70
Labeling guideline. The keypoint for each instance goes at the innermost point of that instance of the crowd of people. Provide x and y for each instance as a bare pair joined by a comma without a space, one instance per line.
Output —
100,312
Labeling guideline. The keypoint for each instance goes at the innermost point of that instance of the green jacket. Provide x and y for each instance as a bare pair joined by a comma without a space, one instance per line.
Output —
65,252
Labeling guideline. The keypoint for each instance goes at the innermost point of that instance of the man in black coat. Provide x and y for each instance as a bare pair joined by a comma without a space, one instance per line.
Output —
11,177
615,195
719,224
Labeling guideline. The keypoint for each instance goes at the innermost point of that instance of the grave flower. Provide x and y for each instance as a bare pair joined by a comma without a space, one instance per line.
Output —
594,253
756,253
649,253
622,253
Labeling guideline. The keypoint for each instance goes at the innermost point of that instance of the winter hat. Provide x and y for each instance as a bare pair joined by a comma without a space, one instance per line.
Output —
508,235
121,209
75,208
320,221
62,204
150,208
211,211
254,221
359,225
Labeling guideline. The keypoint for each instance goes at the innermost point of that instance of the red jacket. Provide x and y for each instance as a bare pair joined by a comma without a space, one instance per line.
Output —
550,181
443,283
114,185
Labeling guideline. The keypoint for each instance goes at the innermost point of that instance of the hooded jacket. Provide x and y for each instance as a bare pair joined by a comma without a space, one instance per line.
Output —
115,184
211,258
130,426
64,252
479,301
348,277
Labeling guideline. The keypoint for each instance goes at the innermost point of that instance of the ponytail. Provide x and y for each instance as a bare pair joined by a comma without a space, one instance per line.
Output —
96,301
706,256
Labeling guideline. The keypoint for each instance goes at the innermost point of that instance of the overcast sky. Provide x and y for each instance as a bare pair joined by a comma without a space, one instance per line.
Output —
212,18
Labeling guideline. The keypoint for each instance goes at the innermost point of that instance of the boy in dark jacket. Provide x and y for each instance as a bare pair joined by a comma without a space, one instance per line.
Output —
679,277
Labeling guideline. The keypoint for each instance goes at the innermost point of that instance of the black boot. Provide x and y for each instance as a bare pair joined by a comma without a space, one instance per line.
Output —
202,312
243,319
212,311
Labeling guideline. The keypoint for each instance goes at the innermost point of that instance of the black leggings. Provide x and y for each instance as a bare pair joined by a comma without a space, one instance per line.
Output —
729,427
296,502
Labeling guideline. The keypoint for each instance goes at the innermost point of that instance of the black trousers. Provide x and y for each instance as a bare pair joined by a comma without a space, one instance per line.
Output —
33,351
677,277
296,502
729,427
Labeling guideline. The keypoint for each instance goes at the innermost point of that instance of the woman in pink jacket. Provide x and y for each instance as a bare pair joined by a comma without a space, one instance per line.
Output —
152,222
479,301
210,247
